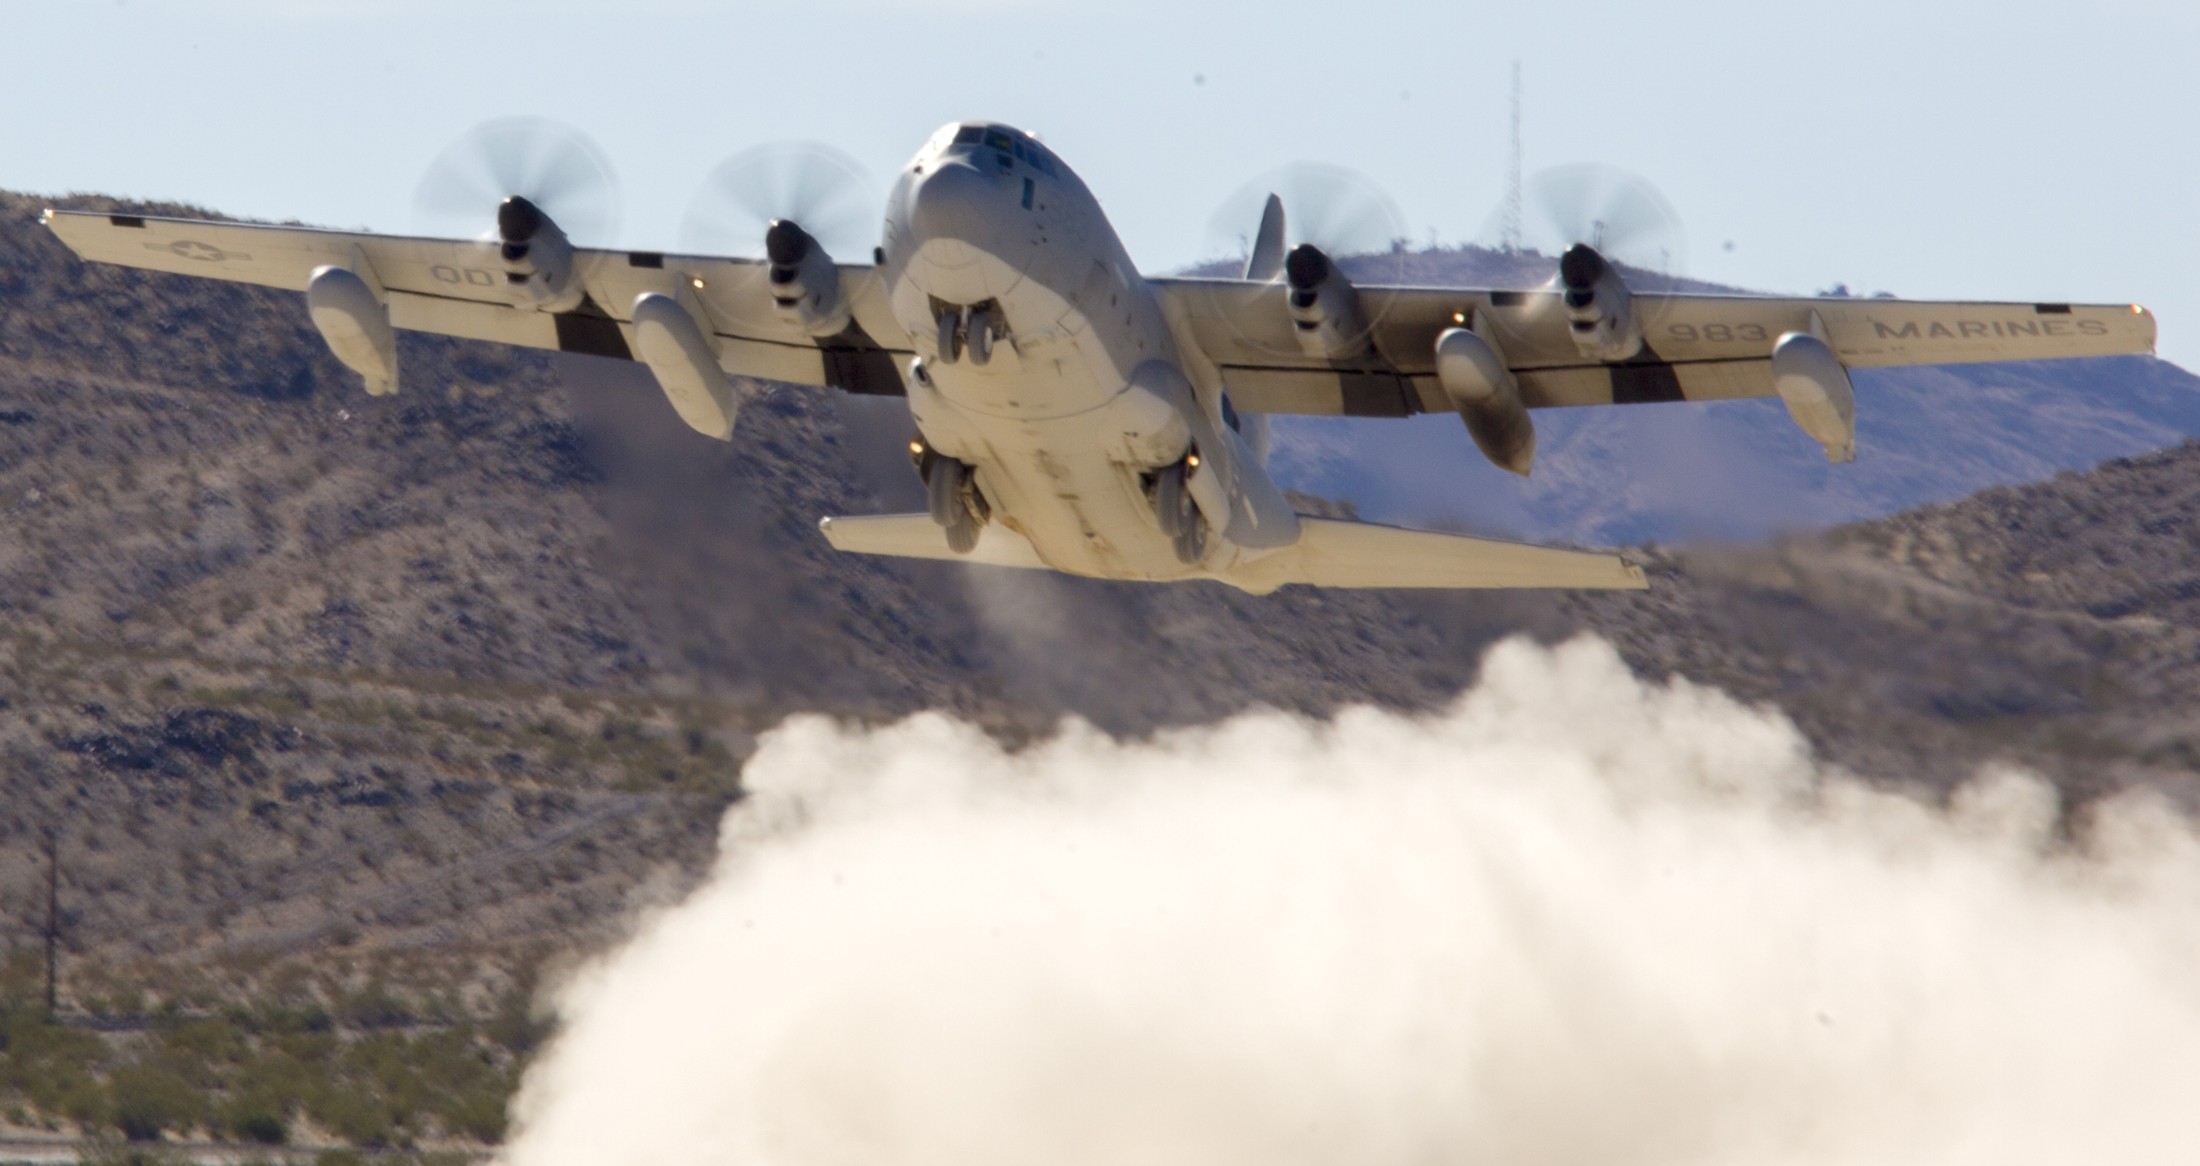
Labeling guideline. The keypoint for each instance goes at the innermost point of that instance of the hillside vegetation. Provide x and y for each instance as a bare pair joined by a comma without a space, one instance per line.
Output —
414,700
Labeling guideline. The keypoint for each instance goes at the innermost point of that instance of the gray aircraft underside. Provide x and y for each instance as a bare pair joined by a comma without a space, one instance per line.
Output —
1073,414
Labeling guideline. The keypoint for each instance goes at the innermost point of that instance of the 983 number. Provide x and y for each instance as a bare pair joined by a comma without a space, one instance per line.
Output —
1718,333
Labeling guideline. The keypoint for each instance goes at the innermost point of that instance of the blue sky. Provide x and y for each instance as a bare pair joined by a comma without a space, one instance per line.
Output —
2017,149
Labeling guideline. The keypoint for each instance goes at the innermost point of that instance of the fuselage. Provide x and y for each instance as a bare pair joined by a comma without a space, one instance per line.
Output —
1084,394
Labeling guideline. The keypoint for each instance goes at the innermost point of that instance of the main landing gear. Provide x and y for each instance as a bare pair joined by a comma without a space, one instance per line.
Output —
953,497
1177,514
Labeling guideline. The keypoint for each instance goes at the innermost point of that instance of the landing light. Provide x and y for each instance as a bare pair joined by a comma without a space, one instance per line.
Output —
1458,317
697,280
916,447
1192,461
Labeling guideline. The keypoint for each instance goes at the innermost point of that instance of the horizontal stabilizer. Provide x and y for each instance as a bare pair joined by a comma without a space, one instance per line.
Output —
1330,553
916,536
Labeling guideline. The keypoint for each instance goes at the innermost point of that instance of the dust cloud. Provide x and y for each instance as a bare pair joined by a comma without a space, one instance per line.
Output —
1574,918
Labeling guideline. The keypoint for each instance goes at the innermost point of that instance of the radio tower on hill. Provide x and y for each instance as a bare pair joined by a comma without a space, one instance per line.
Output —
1510,240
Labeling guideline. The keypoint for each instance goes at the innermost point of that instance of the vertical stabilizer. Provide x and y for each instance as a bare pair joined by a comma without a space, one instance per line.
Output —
1265,264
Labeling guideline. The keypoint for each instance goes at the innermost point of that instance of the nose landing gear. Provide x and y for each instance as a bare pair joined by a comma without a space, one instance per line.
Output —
951,335
978,334
968,329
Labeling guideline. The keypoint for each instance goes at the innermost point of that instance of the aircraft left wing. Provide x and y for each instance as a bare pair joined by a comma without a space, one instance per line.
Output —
458,288
1696,347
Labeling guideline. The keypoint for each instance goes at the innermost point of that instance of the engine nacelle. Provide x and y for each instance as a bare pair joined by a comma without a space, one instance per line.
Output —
1815,386
805,283
1600,311
1325,308
356,324
537,257
674,346
1474,376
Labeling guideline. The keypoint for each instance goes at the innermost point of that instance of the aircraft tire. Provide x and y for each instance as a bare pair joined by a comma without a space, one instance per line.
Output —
943,486
1172,503
950,337
1191,542
978,339
962,535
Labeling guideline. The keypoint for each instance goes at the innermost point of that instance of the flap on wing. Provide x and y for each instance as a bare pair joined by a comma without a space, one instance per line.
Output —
1331,393
1331,553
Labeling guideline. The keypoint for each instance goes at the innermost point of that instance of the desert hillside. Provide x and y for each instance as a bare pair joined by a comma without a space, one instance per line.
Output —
318,689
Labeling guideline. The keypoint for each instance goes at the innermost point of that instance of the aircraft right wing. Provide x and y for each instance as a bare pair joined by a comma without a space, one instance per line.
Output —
1696,347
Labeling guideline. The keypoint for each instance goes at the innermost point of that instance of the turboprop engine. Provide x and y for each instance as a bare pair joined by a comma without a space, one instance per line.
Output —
1599,309
805,283
538,258
1325,309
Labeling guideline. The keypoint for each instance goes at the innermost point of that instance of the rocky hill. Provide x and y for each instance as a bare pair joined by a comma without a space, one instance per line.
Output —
433,687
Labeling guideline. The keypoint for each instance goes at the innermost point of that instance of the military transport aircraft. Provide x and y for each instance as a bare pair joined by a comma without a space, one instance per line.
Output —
1074,414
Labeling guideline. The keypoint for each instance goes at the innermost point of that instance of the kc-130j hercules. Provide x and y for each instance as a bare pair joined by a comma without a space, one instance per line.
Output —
1074,414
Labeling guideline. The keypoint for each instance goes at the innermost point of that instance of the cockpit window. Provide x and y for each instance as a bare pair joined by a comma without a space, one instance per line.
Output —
1010,147
1040,160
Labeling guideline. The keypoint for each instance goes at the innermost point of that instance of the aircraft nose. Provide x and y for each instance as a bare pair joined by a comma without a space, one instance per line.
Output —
955,201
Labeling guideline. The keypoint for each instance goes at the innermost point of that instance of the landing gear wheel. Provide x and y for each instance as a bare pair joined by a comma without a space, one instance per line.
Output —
950,335
962,536
943,482
1172,503
978,336
946,488
1191,542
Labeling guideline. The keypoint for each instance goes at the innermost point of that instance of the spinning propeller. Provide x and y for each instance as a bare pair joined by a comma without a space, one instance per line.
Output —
549,168
799,205
747,203
1614,236
1619,215
1321,230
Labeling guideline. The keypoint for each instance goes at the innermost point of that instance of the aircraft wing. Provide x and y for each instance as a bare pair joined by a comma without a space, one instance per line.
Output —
457,288
1697,347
